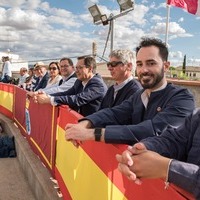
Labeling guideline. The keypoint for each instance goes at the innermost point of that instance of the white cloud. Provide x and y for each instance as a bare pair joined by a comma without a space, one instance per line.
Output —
92,2
176,58
20,19
177,54
36,30
157,18
30,4
181,19
174,30
27,4
138,14
11,3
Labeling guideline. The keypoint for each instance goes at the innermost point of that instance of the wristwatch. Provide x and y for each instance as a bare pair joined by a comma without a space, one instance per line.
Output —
97,134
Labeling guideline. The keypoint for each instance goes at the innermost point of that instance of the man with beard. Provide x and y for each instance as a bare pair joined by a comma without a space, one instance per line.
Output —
147,112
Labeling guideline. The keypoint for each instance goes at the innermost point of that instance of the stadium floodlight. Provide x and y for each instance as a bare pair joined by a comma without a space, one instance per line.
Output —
125,5
95,12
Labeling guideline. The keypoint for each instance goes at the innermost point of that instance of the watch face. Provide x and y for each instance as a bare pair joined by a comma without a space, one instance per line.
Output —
97,134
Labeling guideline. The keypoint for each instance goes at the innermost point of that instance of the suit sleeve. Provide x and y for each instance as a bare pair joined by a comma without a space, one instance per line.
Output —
91,92
172,115
186,176
176,143
117,115
181,144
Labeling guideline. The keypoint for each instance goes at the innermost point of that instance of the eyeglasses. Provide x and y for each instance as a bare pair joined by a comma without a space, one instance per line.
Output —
114,63
53,68
80,67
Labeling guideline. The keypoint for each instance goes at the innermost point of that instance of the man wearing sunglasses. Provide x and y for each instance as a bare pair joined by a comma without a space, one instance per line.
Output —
147,112
122,68
87,92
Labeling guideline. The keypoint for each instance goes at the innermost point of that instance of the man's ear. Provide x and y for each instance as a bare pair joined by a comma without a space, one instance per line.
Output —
129,66
90,68
166,66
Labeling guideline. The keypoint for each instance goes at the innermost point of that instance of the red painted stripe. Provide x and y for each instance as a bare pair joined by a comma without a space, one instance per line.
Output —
6,112
7,87
63,188
104,156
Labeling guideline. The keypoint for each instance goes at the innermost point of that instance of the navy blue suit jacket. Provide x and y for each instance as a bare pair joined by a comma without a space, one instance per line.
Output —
130,122
182,144
124,93
41,84
84,100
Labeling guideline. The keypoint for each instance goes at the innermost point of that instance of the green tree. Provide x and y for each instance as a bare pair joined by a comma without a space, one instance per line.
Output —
184,64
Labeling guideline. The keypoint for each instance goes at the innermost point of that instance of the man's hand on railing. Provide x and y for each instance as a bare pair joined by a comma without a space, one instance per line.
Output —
76,133
31,94
42,98
138,162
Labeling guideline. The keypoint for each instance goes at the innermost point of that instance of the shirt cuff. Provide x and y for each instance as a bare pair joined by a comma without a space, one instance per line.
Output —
53,103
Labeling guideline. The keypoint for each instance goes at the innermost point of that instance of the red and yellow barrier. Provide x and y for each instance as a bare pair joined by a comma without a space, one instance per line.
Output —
89,172
6,99
38,124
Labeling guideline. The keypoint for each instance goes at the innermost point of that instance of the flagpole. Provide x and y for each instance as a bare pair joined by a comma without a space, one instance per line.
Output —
167,24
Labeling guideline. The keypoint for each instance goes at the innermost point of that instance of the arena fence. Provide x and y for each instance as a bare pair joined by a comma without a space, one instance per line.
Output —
89,172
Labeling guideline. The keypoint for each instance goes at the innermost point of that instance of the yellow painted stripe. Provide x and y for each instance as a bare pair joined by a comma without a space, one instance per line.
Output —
44,157
83,178
6,100
18,123
52,132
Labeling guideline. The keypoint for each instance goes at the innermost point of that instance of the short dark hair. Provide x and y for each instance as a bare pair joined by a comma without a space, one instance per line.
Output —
89,61
146,42
6,58
68,59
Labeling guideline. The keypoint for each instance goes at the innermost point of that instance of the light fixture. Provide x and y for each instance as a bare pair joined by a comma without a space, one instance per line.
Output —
125,4
95,12
104,19
125,7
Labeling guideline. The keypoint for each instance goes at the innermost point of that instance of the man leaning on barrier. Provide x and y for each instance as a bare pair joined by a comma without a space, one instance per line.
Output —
178,162
85,95
122,67
148,112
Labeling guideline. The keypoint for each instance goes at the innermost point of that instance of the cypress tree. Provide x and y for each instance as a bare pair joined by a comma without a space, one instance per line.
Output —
184,64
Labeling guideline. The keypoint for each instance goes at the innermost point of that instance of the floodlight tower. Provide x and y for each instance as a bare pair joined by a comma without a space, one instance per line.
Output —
98,18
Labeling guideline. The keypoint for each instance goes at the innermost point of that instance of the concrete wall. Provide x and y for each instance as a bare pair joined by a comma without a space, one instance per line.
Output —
193,86
37,175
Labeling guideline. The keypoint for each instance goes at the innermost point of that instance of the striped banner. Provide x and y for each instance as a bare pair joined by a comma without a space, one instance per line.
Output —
38,124
6,99
19,109
90,172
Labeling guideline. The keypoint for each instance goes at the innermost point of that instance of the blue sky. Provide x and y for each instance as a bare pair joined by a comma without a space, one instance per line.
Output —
39,29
